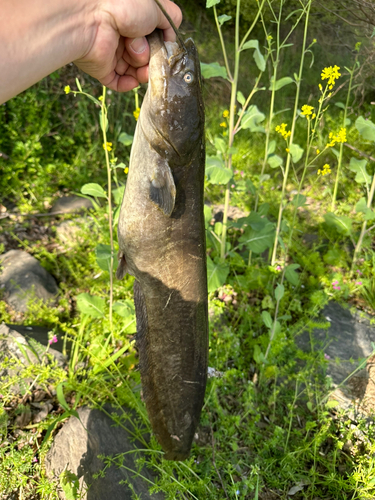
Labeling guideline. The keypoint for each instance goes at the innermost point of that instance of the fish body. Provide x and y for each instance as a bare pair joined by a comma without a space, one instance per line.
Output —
161,235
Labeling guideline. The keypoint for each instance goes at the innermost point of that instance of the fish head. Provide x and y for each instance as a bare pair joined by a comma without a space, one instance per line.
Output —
174,102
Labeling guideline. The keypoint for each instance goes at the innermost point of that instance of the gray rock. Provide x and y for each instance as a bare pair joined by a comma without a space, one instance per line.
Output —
68,232
77,449
14,345
23,278
71,204
345,343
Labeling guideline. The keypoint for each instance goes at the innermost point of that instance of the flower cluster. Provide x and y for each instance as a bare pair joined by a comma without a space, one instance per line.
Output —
67,89
335,285
136,113
326,170
281,129
308,111
331,74
107,146
53,340
340,137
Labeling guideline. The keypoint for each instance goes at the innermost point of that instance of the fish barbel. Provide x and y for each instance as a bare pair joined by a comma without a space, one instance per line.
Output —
161,235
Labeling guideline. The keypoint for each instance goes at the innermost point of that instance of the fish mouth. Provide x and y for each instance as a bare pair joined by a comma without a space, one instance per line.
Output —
162,54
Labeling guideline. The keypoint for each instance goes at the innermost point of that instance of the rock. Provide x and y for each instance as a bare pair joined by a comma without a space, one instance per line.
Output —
23,278
348,339
14,345
71,204
234,213
78,449
68,232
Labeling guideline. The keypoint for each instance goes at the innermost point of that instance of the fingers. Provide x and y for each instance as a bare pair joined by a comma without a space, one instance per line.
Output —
137,52
176,15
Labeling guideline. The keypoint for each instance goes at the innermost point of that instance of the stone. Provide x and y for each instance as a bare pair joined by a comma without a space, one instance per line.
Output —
68,232
348,340
71,204
77,447
234,213
23,278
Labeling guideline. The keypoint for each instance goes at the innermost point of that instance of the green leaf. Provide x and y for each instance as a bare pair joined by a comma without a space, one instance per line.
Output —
211,3
253,219
342,224
223,19
93,189
60,396
91,305
125,139
258,241
252,118
299,200
213,70
263,209
331,404
216,172
296,151
216,274
103,257
267,319
118,194
275,161
221,145
207,216
271,147
258,56
366,128
78,85
279,84
279,292
291,275
340,105
69,483
125,308
359,167
241,98
361,207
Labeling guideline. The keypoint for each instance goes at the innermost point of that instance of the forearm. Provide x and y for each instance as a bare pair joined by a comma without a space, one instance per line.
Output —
38,36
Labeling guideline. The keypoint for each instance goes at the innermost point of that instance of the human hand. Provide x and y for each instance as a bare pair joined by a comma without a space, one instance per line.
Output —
118,54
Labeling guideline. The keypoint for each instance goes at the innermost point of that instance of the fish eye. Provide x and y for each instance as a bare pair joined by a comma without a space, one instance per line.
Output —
188,77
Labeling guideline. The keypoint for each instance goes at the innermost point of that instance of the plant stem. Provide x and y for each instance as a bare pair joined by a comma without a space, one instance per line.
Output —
110,218
298,83
231,128
222,45
342,145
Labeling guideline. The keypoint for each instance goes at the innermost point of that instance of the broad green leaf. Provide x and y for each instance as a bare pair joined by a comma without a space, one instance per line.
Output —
93,189
258,358
299,200
125,139
275,161
279,292
252,118
207,216
124,308
359,167
221,145
340,105
118,194
343,224
279,84
267,319
271,147
296,151
91,305
223,19
241,98
211,3
213,70
258,56
361,207
69,483
216,274
258,241
216,172
366,128
254,220
291,275
103,257
331,404
263,209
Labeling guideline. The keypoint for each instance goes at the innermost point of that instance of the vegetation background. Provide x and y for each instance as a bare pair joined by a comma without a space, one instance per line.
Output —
295,153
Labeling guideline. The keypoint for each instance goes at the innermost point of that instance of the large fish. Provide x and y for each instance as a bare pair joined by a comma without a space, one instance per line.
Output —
161,237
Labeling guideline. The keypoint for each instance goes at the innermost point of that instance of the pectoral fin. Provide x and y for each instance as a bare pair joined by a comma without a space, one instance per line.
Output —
162,187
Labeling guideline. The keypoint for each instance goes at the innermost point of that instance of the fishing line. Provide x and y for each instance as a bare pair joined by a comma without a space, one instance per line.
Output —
172,24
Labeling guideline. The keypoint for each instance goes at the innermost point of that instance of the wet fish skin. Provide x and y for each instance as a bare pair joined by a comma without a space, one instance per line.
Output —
161,236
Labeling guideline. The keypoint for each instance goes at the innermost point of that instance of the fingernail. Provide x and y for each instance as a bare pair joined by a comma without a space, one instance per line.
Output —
138,45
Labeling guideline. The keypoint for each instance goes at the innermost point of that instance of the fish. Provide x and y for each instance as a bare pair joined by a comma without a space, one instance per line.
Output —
161,236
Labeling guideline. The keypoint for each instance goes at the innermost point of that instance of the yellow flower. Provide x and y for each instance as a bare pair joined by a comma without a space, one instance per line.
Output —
313,116
126,170
326,170
270,37
341,136
100,98
287,150
317,151
226,113
307,110
331,74
107,146
67,89
320,88
223,124
281,129
136,113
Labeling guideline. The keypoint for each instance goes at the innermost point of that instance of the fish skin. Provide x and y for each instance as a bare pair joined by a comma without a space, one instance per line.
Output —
161,235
